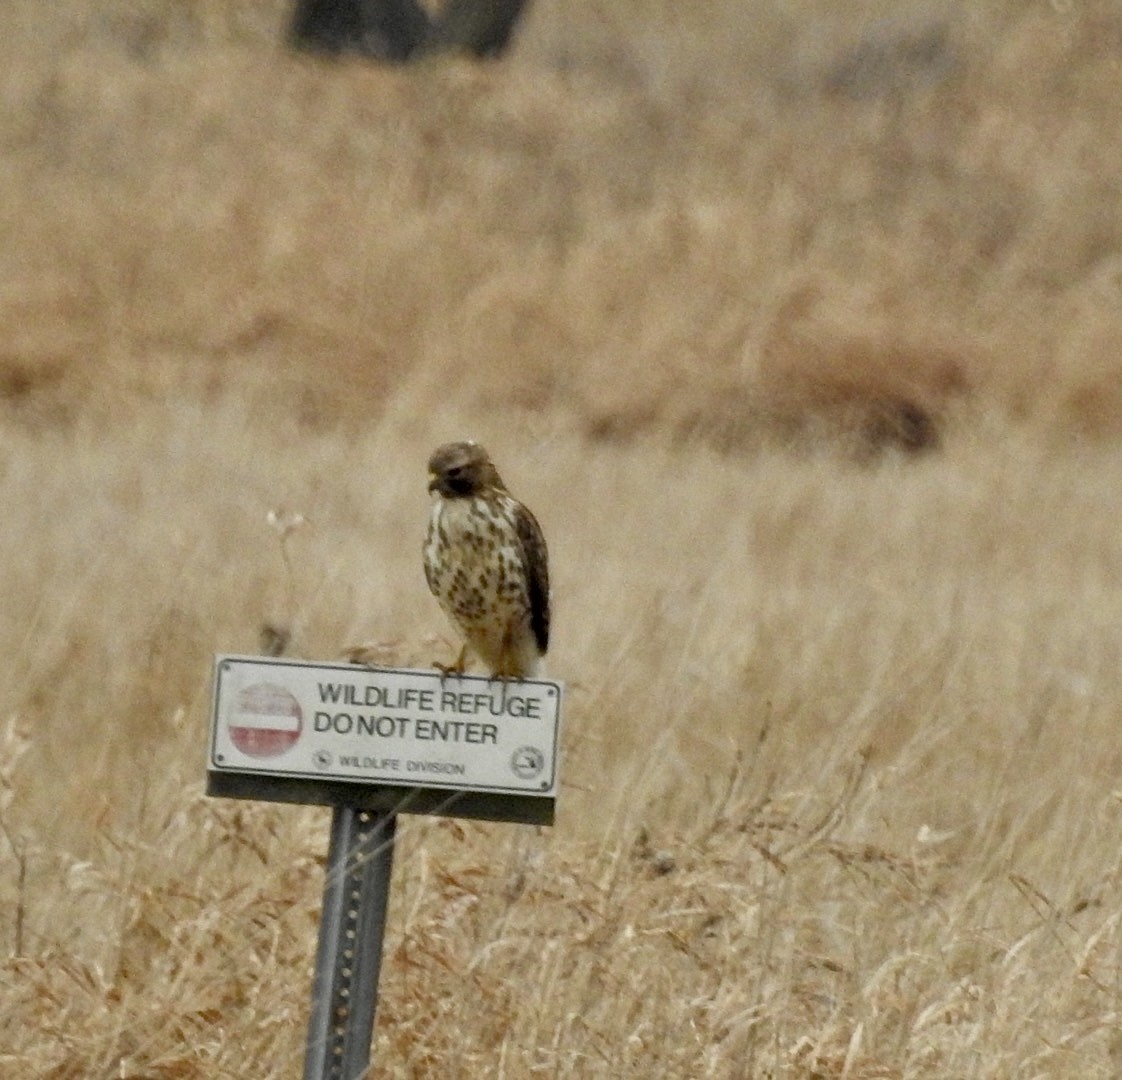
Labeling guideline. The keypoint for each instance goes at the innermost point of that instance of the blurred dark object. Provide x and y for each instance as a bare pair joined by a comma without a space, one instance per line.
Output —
390,30
481,27
892,58
273,639
400,30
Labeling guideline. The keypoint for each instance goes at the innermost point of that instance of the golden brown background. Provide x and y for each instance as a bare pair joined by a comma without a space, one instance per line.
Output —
798,326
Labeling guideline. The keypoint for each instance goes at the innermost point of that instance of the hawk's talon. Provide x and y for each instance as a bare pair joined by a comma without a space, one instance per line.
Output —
455,668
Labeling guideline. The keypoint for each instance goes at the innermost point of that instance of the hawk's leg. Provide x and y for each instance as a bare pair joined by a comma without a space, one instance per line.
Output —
502,680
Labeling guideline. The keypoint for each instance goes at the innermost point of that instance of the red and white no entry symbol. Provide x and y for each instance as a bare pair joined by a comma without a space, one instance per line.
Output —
266,721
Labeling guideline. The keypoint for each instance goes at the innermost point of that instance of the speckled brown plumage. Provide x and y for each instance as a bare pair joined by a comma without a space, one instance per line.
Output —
486,562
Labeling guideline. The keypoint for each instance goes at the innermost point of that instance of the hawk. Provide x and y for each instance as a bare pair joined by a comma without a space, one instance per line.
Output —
485,561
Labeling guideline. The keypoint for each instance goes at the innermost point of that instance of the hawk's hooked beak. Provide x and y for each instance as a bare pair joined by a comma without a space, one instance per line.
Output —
434,482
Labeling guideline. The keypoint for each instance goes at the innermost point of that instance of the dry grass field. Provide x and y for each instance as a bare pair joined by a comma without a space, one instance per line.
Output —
800,330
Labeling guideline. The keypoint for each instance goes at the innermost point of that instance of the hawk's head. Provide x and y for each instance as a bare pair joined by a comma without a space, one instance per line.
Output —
462,469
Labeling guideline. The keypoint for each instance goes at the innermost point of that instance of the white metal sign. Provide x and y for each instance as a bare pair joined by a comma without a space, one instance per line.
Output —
352,724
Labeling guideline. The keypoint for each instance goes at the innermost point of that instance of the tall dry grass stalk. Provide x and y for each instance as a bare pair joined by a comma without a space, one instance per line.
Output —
840,766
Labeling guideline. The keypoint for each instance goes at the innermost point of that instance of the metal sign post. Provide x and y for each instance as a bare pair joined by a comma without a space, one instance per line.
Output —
349,955
373,743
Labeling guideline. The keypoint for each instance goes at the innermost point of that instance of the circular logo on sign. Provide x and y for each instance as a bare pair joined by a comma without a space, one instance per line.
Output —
527,762
266,721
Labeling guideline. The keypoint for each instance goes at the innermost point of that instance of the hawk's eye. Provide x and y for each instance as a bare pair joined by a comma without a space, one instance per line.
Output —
458,479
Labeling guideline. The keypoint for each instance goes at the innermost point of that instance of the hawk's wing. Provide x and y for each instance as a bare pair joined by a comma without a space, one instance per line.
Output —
537,573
